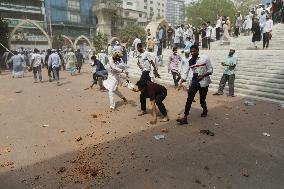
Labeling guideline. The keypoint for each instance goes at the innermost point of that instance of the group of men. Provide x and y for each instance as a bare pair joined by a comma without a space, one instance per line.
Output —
54,60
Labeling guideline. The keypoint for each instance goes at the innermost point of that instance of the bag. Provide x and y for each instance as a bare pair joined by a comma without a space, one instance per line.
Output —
270,35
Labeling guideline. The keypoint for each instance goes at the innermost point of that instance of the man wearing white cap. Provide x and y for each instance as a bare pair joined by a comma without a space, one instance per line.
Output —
71,61
229,73
111,84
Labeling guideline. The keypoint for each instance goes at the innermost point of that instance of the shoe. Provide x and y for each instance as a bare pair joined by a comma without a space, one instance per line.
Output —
217,94
231,95
204,113
182,121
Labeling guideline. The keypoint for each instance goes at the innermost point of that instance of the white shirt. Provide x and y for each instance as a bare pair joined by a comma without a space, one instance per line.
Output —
36,58
184,67
219,23
54,60
208,31
144,60
268,26
203,65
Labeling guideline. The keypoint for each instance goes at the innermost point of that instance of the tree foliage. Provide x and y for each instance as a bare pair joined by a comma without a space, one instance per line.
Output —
100,41
57,42
129,33
4,35
208,10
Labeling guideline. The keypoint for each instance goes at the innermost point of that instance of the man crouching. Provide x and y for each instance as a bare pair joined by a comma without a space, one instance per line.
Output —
157,93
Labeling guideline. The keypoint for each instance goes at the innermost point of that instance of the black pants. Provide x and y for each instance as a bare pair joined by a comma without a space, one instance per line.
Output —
266,40
176,77
208,42
49,70
218,33
237,31
158,100
145,76
191,94
231,82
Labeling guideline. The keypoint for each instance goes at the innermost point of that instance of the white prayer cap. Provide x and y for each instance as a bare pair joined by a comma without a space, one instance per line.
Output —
170,25
187,51
233,48
117,42
224,22
53,50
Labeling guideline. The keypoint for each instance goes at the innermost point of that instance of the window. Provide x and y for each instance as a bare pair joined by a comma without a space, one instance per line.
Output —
151,2
73,4
151,9
140,15
145,7
145,1
76,18
129,3
159,4
126,13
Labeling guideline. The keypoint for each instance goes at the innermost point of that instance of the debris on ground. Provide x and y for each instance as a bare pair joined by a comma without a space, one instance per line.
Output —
7,164
266,134
281,105
61,170
20,91
94,115
216,124
207,132
45,125
78,138
245,173
249,103
164,130
86,88
61,131
159,137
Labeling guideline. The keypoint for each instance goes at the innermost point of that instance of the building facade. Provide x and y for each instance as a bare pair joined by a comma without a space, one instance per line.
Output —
133,13
72,18
28,34
154,9
175,12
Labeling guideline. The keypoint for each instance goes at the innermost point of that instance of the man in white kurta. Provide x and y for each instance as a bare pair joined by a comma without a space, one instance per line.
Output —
113,80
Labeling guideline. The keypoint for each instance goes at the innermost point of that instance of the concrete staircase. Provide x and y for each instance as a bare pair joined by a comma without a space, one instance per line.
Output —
260,73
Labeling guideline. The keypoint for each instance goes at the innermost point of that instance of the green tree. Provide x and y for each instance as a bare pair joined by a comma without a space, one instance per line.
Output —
207,10
57,42
4,35
100,41
128,33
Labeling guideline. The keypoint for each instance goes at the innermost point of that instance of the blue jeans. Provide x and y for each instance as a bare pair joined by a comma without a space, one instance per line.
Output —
56,73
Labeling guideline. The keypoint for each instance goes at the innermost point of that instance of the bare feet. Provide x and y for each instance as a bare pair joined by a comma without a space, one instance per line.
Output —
165,119
142,113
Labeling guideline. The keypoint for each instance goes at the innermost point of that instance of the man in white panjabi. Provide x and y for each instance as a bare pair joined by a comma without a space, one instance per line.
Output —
113,80
225,35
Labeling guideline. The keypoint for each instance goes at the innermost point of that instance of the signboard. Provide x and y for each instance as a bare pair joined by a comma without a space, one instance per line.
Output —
14,22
